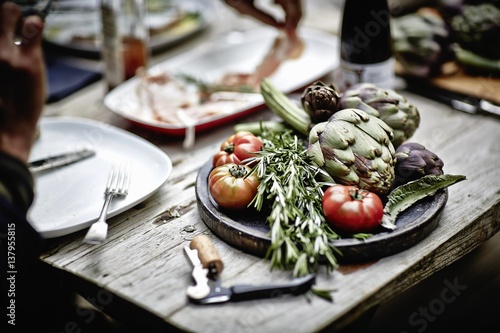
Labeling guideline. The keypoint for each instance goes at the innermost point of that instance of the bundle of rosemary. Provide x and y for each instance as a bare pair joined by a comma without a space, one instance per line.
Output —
291,190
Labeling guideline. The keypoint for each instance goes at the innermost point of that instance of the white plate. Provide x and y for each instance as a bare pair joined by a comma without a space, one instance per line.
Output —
70,198
238,52
75,26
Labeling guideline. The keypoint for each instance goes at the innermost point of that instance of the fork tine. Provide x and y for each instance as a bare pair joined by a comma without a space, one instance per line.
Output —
118,179
126,181
123,179
117,184
111,178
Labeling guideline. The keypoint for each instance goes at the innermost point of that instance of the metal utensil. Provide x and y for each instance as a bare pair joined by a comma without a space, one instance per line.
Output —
41,9
117,184
458,101
55,161
207,266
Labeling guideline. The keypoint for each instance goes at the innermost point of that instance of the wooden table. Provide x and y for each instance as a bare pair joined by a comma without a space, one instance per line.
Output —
141,274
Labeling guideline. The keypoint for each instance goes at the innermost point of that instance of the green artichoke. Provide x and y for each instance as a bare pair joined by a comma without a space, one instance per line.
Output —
477,28
386,104
354,148
413,161
320,101
421,43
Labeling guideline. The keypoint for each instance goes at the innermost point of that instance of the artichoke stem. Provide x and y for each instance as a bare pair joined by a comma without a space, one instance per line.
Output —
282,106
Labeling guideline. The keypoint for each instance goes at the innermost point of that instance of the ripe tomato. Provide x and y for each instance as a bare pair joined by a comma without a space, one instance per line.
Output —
237,147
232,186
351,209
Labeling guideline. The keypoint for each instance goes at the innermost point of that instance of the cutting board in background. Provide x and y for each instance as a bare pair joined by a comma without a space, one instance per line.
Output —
456,80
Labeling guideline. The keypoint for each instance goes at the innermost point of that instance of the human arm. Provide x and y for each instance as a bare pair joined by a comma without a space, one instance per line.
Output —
291,8
22,80
22,96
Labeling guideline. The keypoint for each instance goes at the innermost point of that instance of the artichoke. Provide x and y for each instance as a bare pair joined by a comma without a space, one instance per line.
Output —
320,101
386,104
476,28
414,161
421,42
354,148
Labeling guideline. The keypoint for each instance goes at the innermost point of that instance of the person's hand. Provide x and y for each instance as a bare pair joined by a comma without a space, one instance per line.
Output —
292,9
22,80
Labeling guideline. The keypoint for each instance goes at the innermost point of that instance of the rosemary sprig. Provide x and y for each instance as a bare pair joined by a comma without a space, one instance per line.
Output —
290,190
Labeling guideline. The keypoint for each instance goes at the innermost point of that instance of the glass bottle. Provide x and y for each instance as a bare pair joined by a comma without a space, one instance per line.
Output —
366,45
124,39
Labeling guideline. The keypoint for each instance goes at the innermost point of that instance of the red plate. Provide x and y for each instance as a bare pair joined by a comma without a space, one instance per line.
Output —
238,52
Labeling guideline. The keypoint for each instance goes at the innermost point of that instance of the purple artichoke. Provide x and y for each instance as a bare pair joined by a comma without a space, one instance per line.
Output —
320,101
413,161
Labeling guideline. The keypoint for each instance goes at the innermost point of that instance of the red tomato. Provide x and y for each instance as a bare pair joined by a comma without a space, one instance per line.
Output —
237,147
351,209
231,185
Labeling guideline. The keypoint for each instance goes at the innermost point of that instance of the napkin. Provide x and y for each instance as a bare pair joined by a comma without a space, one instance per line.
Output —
66,78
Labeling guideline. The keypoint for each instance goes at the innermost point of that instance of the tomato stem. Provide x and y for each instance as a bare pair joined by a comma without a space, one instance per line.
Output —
358,194
229,148
238,171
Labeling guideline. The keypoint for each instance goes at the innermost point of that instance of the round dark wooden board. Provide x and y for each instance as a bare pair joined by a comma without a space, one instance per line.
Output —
247,230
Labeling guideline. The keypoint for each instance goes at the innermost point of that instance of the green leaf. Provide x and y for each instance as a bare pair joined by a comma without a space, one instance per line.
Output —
362,236
326,294
406,195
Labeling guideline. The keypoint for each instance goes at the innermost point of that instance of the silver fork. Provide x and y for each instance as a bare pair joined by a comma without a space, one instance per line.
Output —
117,184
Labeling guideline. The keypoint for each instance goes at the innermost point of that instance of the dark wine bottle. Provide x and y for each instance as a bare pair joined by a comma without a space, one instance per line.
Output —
366,45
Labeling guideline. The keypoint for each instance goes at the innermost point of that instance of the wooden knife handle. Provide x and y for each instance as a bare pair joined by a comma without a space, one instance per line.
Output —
208,254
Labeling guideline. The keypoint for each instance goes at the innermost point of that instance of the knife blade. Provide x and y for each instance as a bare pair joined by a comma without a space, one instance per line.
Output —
59,160
458,101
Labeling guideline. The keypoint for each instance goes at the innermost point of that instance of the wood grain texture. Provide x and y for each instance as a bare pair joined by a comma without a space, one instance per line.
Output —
457,80
143,268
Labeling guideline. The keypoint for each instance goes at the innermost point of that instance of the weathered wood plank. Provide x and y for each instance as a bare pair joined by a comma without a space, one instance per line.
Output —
144,263
142,268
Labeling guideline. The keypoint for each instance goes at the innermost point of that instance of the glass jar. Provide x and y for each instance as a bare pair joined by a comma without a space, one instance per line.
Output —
124,39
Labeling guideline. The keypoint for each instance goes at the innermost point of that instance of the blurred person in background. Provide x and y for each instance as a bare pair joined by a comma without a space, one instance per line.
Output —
292,10
29,290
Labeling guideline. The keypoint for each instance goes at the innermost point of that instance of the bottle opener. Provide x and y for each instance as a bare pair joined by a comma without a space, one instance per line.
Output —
207,266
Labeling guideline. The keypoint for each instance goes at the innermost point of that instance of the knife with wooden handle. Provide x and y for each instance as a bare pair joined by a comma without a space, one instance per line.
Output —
207,267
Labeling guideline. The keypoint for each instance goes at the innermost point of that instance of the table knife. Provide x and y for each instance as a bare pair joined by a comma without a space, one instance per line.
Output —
59,160
458,101
207,266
